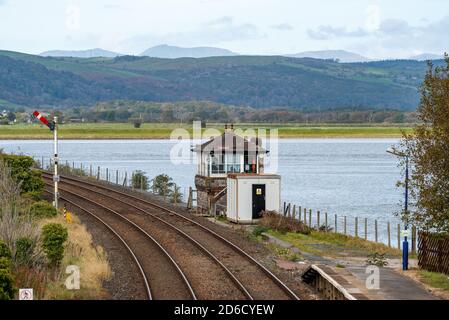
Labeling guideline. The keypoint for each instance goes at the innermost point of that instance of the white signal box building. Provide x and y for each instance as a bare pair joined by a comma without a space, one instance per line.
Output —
248,195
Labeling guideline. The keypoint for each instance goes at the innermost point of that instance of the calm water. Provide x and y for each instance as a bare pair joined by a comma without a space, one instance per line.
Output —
348,177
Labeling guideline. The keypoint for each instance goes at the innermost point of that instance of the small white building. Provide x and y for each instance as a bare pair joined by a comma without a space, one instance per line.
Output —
248,195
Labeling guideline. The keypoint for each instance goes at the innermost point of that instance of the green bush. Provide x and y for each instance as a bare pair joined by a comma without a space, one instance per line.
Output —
33,195
5,263
54,235
24,250
258,230
43,209
21,170
140,180
6,285
4,250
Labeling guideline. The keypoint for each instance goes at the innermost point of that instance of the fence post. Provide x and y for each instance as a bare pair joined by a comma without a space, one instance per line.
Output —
299,213
389,234
310,218
98,172
413,239
336,223
366,228
325,222
141,183
42,163
356,227
125,182
399,236
294,212
305,216
107,174
285,207
90,171
318,219
375,230
82,168
344,228
289,207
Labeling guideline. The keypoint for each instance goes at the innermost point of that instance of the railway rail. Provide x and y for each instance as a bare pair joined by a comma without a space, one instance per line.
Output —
251,278
163,278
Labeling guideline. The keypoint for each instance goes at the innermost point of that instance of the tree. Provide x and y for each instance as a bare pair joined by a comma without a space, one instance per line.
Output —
140,180
427,148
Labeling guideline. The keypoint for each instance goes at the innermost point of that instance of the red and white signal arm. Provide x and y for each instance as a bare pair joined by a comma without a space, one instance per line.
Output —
44,120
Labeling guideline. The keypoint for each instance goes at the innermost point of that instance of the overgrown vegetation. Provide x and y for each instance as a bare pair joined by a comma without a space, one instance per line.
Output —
43,209
435,280
278,222
140,181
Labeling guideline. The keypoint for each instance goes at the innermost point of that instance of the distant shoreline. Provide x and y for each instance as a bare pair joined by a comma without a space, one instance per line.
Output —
160,131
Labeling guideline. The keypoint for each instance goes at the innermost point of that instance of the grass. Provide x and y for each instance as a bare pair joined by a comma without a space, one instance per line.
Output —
334,244
435,280
163,131
94,268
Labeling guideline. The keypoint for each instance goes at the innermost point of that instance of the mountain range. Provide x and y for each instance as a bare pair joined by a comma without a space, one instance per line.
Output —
256,81
175,52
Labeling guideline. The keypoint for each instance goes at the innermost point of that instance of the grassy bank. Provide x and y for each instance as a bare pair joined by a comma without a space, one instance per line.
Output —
163,131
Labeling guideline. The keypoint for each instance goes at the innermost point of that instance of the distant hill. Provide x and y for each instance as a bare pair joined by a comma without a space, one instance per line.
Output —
256,81
91,53
173,52
427,56
340,55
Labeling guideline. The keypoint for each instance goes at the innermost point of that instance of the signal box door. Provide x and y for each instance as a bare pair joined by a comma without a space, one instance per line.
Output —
258,200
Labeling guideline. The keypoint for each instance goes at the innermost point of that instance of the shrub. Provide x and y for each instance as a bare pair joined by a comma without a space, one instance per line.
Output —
43,209
24,250
33,195
278,222
258,230
5,263
162,185
6,285
54,235
31,180
4,250
140,180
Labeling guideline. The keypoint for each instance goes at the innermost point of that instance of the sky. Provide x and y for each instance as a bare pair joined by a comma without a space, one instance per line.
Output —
376,29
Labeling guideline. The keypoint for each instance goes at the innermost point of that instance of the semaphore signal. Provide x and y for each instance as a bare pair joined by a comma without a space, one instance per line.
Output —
54,128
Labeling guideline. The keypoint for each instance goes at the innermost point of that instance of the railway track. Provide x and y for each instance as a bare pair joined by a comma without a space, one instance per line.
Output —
162,277
251,278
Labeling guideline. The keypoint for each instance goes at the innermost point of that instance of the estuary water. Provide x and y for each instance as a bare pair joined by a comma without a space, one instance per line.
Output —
347,177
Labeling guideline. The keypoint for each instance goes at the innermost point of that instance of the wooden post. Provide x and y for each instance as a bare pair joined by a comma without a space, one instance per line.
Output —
366,228
305,216
344,228
107,174
318,219
294,212
310,218
125,180
375,231
285,207
82,168
399,236
42,163
98,172
336,223
90,171
356,227
299,213
289,207
325,222
141,183
389,234
413,239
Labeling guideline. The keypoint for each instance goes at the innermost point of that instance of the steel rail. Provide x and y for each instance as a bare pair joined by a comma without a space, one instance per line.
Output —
271,275
165,252
130,251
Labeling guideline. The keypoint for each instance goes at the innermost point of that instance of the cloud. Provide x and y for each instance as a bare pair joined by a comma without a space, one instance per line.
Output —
224,29
328,32
282,27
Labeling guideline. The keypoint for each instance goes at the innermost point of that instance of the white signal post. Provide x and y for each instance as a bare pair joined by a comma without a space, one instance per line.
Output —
56,160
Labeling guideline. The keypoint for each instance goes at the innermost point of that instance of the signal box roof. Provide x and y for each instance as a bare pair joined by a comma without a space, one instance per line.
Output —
229,142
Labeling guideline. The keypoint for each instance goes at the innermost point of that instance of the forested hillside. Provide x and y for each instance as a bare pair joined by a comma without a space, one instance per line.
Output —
256,81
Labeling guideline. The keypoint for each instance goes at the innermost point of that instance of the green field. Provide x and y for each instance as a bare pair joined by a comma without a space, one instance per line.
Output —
163,131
